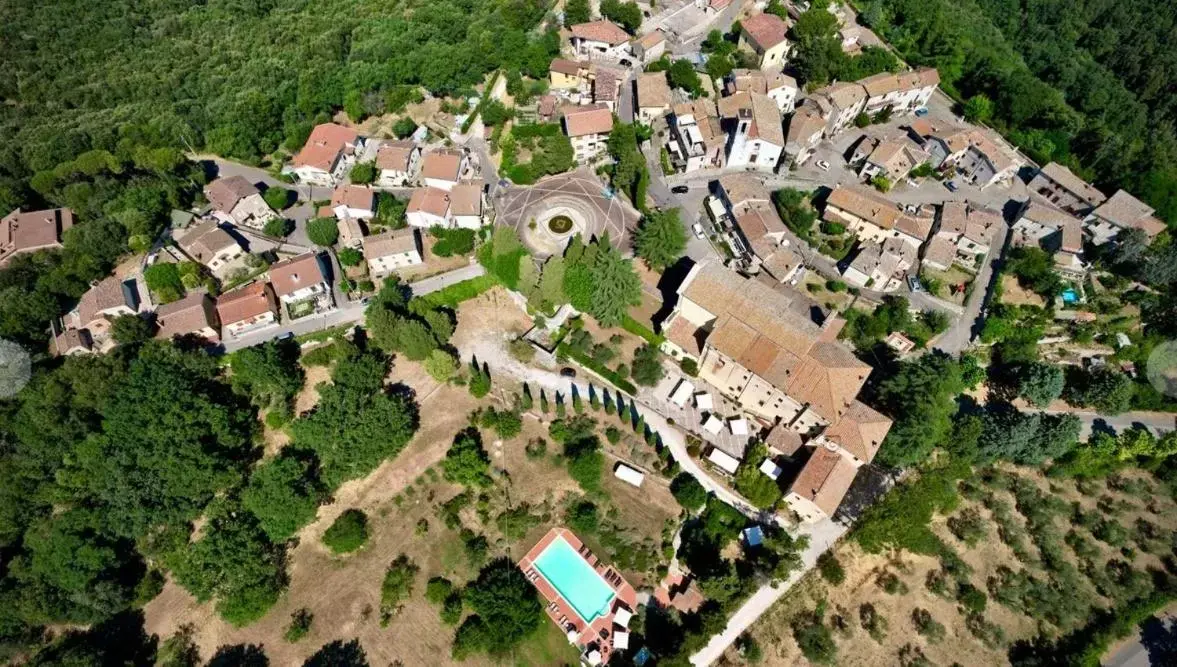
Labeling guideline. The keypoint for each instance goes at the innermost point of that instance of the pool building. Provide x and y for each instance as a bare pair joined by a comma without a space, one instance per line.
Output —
590,601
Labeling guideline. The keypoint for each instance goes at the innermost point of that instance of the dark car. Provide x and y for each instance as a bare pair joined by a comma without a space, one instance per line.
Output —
286,336
625,63
680,189
568,372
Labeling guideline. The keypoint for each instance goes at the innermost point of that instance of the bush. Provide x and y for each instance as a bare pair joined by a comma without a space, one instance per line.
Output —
815,641
874,624
278,228
968,526
397,586
404,127
278,198
300,625
347,533
689,366
323,231
926,625
831,570
971,598
438,589
452,242
363,173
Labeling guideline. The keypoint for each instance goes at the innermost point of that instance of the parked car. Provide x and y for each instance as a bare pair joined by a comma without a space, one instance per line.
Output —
921,112
951,185
568,372
680,189
823,165
624,63
914,284
285,336
698,229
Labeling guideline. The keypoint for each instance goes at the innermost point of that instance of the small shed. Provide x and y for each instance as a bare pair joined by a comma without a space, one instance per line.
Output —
703,401
622,616
771,469
682,393
713,425
753,536
629,475
725,461
738,426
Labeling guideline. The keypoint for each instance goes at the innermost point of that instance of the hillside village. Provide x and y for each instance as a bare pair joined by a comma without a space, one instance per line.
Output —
757,301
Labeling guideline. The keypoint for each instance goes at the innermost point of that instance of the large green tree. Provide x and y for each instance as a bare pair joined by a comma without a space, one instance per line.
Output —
268,373
921,398
284,494
660,239
506,611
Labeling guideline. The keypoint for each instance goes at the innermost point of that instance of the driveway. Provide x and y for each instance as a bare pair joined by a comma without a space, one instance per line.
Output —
967,326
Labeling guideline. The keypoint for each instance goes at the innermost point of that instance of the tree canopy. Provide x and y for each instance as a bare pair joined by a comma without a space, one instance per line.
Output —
660,239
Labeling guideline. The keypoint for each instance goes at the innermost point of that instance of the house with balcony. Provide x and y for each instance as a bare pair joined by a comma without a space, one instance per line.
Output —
209,245
696,136
1122,211
354,202
588,129
442,168
93,317
397,162
778,86
600,39
392,251
880,266
756,133
903,93
301,285
653,98
971,229
236,201
328,154
247,309
1063,189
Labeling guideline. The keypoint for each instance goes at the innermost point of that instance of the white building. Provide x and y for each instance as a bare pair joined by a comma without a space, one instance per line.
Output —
970,228
758,137
650,47
357,202
442,169
391,251
302,279
880,266
764,35
467,204
904,92
588,129
696,136
600,39
327,155
397,162
780,88
247,309
429,207
653,97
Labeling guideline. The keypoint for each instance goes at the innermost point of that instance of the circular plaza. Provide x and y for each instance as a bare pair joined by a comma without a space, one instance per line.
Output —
548,214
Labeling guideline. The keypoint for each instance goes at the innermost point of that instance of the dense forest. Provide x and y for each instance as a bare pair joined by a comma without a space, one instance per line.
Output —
236,77
1084,83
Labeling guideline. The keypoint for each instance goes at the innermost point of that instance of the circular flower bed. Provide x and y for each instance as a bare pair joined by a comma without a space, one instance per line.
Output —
560,224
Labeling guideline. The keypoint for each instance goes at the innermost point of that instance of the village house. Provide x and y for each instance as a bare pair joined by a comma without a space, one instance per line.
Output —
764,35
650,47
397,162
1036,222
428,207
107,299
971,229
207,244
1122,211
855,38
653,96
739,191
247,309
301,284
987,160
1068,251
357,202
762,233
880,266
236,201
1062,188
806,129
467,202
606,84
327,155
891,159
819,488
70,343
944,144
939,254
842,101
696,136
780,87
757,137
588,128
600,39
442,168
351,232
903,93
391,251
25,232
760,347
194,315
874,218
567,75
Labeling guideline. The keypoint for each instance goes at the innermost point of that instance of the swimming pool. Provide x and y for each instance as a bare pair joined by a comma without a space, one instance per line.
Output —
576,581
1070,296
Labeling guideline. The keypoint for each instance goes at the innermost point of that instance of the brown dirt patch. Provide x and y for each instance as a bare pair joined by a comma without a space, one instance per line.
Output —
1015,294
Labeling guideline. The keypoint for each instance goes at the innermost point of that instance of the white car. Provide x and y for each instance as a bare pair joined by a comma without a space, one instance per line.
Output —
823,165
698,229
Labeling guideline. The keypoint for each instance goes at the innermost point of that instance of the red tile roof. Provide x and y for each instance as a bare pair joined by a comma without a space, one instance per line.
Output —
296,273
323,147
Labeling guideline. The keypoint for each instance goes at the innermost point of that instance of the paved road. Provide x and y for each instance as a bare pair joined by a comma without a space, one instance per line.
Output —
1157,422
965,328
1157,631
444,280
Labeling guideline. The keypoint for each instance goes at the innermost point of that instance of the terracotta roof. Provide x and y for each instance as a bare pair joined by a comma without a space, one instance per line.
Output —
860,431
825,479
323,147
915,226
395,155
291,275
244,303
1072,236
653,90
806,122
466,199
579,123
888,82
354,196
742,188
224,193
758,220
350,230
205,240
928,76
766,120
757,81
600,31
1075,185
954,217
843,94
730,106
1126,211
783,439
757,326
547,105
568,67
865,204
108,294
765,30
686,335
72,339
434,201
893,156
651,39
607,85
442,165
780,261
1047,215
983,224
191,314
993,149
33,230
394,242
954,138
940,251
921,126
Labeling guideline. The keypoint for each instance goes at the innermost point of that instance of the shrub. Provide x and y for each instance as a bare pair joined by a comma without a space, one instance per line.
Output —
404,127
300,625
613,434
831,570
438,589
278,228
536,448
396,587
815,641
688,492
689,366
278,199
347,533
926,625
874,624
891,583
350,257
363,173
323,231
971,598
968,526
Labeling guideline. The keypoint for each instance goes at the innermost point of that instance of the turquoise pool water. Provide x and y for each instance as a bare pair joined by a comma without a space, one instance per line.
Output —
1070,296
578,583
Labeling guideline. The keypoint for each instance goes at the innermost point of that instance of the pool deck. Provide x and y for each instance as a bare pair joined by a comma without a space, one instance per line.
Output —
599,633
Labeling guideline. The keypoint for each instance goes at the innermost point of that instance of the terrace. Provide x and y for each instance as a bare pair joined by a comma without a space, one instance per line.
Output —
594,613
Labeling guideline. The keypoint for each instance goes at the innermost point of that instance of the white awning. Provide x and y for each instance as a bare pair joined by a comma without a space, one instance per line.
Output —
622,616
713,425
594,657
738,426
703,401
682,393
771,469
725,461
621,640
629,475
